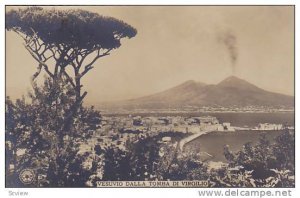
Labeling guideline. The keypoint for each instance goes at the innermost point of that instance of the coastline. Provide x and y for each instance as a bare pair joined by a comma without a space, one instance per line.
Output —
192,137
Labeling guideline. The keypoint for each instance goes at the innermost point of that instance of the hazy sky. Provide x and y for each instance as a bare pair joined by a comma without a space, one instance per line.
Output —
176,44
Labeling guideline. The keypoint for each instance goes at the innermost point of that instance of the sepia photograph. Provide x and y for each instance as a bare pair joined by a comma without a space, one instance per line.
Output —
150,96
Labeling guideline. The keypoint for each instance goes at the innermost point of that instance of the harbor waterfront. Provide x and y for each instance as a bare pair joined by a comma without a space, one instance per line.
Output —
238,118
188,139
202,133
214,142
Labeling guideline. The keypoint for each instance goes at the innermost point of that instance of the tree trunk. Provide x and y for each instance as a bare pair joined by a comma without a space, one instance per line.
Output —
74,108
77,88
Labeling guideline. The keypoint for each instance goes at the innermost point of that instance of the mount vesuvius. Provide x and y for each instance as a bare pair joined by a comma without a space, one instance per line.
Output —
232,91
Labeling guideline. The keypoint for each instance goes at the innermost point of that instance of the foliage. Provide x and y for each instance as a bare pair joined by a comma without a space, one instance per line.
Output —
137,163
149,160
74,28
117,165
36,130
262,165
175,164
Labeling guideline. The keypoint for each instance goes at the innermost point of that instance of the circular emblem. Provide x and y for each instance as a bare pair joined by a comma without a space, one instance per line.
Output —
27,176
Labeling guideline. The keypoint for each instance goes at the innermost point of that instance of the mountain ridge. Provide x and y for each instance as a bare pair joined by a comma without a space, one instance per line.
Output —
232,91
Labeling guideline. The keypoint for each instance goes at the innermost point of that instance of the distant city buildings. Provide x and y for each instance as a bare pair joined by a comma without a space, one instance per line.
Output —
119,131
204,109
268,127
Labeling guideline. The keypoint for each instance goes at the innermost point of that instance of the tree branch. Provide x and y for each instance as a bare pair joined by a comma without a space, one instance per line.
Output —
84,54
39,61
37,72
69,78
89,66
71,112
54,53
86,69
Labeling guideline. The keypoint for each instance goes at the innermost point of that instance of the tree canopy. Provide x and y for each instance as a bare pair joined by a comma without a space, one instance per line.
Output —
74,28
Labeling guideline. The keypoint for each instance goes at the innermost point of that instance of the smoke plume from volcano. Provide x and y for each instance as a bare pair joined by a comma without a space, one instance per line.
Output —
230,41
